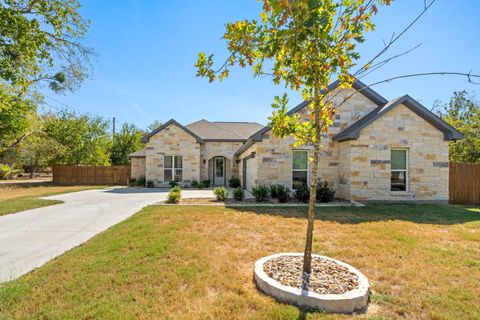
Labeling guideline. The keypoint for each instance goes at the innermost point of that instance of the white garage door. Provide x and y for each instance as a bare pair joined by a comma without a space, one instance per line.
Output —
250,173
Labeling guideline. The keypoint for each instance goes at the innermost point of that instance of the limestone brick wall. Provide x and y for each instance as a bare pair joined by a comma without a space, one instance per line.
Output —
427,158
344,170
253,161
173,140
213,149
274,155
137,167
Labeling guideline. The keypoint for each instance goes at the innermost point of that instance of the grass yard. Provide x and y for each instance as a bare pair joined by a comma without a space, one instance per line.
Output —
172,262
19,198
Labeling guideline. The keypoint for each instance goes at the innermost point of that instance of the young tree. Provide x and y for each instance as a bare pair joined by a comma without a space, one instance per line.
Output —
463,113
128,140
86,139
304,44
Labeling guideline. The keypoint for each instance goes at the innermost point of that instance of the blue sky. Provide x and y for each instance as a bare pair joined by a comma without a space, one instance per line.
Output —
147,50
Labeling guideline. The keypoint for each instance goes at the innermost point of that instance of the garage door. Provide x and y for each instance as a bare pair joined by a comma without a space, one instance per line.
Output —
250,173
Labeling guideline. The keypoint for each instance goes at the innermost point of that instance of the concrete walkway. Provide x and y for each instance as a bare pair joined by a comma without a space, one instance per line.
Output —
31,238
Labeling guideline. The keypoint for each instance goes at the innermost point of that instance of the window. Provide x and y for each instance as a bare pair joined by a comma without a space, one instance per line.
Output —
172,168
299,168
399,168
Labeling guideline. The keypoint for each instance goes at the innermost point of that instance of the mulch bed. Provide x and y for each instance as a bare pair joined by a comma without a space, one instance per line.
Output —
198,201
327,277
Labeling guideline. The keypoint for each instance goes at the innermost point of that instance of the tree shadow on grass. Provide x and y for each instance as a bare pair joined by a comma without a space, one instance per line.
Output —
418,213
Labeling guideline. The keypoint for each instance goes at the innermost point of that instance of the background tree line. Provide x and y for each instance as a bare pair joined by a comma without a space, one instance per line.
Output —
67,137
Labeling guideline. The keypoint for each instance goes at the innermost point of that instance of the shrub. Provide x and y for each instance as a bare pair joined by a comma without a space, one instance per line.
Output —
150,184
174,195
302,193
238,194
206,183
173,184
5,171
176,189
221,193
273,191
324,192
131,182
194,183
283,193
140,182
260,192
234,182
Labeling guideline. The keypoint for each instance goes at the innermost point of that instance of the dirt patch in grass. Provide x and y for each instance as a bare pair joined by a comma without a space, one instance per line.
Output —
181,262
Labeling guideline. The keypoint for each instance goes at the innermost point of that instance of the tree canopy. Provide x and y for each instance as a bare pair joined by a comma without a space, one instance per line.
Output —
42,40
127,141
86,139
463,113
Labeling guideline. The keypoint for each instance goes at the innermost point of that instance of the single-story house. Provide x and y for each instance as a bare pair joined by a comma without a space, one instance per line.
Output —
375,150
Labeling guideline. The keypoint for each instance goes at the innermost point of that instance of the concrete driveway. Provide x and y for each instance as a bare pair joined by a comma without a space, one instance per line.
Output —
31,238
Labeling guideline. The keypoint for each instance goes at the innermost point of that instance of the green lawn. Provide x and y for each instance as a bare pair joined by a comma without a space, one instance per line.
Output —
20,198
423,262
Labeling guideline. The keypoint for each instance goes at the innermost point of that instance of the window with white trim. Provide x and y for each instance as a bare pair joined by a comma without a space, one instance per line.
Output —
172,168
299,168
399,169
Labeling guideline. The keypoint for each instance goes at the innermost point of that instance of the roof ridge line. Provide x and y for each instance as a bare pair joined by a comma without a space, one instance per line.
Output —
227,130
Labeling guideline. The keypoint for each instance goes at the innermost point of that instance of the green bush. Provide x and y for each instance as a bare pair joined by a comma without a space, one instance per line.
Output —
234,182
174,195
173,184
5,171
176,189
200,185
238,194
150,184
132,182
281,192
220,193
140,182
260,192
302,193
324,192
194,183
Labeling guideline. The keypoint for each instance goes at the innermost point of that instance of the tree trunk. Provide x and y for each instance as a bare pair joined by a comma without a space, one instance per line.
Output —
33,170
307,256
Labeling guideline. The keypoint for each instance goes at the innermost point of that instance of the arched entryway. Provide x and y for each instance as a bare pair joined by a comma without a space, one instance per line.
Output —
219,167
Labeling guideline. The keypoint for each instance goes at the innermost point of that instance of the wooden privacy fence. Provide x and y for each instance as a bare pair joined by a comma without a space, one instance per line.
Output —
464,183
91,175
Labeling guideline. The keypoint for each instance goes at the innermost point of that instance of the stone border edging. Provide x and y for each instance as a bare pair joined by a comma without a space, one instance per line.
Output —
348,302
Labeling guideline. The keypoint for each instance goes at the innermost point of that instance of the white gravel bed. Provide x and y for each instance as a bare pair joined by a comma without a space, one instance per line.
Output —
327,277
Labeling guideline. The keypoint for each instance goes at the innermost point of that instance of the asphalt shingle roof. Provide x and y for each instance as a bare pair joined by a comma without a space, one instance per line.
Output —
210,130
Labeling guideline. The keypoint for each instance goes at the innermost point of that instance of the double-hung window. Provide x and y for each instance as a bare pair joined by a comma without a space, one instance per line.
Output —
172,168
399,170
299,168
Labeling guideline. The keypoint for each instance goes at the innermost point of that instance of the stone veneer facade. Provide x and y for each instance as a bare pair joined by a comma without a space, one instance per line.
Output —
138,167
427,154
174,141
358,169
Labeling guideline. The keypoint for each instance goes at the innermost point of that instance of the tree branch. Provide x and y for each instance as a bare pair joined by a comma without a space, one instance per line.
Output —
394,39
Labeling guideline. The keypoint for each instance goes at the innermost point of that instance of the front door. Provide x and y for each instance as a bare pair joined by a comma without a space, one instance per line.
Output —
219,171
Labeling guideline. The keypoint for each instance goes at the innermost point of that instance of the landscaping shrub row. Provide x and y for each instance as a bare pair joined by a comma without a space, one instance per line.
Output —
279,192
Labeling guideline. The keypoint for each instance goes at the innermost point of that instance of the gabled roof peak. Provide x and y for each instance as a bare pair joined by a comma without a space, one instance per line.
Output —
353,131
